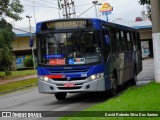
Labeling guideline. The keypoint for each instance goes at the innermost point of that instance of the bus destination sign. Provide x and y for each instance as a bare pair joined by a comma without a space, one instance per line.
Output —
64,24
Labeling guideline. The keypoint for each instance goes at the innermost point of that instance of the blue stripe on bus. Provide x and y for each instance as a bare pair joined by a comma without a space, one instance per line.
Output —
76,74
96,24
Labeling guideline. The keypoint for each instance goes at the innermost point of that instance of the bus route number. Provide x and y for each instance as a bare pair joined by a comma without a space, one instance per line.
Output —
83,75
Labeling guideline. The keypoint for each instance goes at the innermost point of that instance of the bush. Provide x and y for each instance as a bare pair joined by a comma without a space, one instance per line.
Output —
28,61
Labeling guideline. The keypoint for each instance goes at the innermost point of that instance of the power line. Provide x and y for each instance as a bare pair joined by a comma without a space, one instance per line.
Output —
49,2
18,26
20,30
83,14
83,4
41,4
23,21
85,11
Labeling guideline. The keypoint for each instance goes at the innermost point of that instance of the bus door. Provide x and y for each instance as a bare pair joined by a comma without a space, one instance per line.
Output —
115,58
138,53
106,55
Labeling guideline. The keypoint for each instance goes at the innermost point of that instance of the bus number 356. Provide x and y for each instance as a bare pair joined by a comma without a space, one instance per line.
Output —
83,75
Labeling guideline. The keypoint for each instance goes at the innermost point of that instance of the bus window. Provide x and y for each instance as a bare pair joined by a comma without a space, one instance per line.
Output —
106,43
133,41
118,40
43,49
113,41
123,42
129,43
138,41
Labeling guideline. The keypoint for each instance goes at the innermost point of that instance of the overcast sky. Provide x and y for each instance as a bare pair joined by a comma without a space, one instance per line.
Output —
46,10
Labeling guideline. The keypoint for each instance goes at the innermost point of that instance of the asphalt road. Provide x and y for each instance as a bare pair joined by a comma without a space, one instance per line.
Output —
31,100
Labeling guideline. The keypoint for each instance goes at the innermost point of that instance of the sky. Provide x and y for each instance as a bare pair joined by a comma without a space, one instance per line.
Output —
126,10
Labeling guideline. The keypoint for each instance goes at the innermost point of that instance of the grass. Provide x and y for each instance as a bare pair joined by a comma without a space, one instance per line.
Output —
16,74
15,85
145,98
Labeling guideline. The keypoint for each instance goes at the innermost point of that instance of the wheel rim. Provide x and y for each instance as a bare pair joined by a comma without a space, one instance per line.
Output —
114,86
135,77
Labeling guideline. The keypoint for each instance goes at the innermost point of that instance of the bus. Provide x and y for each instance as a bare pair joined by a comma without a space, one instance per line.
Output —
86,55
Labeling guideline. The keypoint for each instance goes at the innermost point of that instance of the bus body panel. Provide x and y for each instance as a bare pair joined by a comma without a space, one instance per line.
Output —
123,62
81,86
72,70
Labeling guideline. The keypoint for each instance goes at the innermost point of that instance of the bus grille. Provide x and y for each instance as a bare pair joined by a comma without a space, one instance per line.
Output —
69,88
72,79
69,71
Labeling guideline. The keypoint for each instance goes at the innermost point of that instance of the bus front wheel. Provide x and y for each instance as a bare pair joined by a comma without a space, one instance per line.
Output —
61,96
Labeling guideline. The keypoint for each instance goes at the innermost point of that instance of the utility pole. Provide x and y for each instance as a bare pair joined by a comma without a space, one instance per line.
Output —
68,8
34,13
155,14
95,3
29,17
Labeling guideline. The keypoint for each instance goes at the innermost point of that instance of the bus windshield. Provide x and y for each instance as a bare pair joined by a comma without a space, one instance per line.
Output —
69,48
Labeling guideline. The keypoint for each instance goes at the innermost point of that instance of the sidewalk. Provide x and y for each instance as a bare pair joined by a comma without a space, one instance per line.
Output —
18,79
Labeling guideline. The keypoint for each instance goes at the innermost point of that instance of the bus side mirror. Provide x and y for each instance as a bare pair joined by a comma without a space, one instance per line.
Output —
31,41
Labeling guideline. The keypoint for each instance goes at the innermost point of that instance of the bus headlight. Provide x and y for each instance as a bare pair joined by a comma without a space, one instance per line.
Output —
93,77
43,78
46,79
96,76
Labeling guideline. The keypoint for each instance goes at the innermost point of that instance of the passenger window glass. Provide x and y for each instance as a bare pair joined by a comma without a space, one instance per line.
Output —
113,41
118,40
132,41
123,42
129,41
106,44
138,42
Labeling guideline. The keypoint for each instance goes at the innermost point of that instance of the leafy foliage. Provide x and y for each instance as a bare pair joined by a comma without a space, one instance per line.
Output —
11,9
144,2
28,62
6,39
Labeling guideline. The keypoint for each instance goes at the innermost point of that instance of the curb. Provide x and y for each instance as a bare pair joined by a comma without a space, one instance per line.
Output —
14,80
18,88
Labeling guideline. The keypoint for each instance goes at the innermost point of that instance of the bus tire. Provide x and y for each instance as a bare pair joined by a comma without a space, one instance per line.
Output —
61,96
113,90
134,79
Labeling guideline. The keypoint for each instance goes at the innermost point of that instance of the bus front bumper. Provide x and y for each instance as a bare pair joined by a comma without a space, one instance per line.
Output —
86,85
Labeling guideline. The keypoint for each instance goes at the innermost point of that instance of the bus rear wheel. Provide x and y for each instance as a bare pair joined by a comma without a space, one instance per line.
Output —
134,79
61,96
113,90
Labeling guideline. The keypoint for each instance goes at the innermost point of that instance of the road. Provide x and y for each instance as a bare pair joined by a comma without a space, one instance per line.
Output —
31,100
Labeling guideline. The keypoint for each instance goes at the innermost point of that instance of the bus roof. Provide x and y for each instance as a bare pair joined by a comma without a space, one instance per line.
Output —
95,20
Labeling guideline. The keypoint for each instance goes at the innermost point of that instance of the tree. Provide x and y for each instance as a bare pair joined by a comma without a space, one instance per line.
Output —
144,2
11,9
6,39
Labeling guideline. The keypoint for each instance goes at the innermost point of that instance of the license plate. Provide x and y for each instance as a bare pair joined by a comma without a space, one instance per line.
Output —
69,85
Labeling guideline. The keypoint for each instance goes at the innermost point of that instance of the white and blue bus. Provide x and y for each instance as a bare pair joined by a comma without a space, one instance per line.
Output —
86,55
